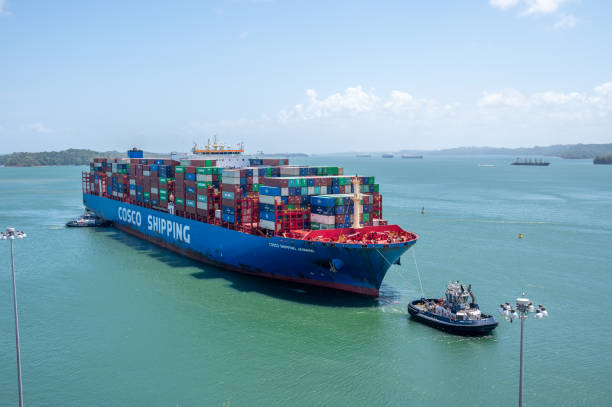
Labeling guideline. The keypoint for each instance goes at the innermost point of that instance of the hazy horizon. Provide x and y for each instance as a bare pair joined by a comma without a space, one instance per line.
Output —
313,77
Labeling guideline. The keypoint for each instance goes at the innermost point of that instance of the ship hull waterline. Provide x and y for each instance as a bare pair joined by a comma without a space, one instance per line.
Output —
351,268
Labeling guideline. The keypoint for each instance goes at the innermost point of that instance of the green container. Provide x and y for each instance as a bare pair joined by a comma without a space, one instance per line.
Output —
376,186
201,170
304,183
366,217
190,202
317,190
304,190
147,195
202,185
291,182
256,187
268,172
371,180
315,226
207,163
290,206
180,201
179,168
163,198
163,180
163,192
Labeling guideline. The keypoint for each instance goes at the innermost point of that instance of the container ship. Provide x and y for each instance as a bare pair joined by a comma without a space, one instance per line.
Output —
261,216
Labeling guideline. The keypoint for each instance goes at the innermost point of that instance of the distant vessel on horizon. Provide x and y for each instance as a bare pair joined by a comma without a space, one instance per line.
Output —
411,156
387,155
486,165
364,155
531,161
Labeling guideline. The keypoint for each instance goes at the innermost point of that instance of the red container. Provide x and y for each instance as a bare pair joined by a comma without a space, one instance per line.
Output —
229,202
190,169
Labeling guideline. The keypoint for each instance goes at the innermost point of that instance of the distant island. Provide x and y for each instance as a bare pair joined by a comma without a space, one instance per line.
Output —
72,156
568,151
603,159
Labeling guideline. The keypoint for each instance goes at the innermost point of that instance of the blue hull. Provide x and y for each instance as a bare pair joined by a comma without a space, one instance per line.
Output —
349,267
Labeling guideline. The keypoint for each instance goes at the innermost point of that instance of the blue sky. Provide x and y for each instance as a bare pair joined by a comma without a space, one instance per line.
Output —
304,76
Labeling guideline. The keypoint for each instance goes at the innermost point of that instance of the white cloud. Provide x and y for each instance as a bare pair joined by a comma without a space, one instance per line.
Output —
604,89
543,6
503,4
537,7
3,7
38,128
504,98
565,22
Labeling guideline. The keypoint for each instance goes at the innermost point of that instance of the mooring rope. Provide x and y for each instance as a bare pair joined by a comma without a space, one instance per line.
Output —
418,273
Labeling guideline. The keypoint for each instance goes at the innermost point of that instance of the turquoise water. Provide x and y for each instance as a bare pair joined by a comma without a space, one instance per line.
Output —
108,320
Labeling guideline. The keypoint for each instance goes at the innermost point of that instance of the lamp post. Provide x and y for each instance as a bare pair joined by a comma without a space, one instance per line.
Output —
11,234
524,308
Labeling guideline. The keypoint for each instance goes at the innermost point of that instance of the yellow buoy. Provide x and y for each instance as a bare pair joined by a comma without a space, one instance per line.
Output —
520,235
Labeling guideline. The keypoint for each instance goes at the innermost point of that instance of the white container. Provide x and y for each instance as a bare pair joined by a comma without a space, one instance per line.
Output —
284,191
266,224
270,200
311,191
218,213
326,220
146,173
154,191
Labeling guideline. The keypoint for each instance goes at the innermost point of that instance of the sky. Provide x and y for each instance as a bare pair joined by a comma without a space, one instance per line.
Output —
304,76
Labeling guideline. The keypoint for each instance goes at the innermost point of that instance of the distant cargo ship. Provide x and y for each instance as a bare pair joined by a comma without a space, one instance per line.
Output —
411,156
531,161
260,216
387,156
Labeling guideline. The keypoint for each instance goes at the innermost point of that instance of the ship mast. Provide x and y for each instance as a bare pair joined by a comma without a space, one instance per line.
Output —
356,202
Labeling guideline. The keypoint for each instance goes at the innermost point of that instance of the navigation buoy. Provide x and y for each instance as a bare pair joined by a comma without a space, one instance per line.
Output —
422,210
520,235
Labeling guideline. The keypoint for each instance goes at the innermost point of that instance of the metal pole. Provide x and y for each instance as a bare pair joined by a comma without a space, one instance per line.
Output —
521,367
16,327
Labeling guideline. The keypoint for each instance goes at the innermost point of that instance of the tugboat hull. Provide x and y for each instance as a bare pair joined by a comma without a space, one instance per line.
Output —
465,328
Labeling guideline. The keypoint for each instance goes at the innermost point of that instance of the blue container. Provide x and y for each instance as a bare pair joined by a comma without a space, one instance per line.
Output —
153,167
322,201
266,215
270,191
159,162
154,202
266,207
132,187
134,154
305,200
226,217
190,190
228,209
322,210
336,190
139,188
190,177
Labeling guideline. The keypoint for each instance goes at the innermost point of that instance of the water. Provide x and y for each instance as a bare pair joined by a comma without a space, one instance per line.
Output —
108,320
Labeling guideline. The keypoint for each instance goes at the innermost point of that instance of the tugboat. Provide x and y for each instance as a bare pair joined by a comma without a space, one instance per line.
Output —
87,220
456,314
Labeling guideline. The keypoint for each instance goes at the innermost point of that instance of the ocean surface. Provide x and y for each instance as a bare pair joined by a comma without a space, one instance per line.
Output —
109,320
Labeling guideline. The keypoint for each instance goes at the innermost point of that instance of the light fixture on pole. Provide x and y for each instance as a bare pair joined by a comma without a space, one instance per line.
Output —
11,234
524,308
